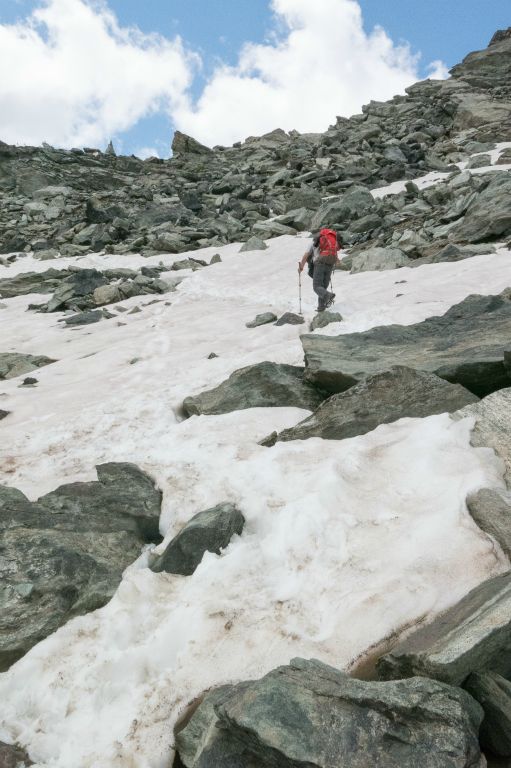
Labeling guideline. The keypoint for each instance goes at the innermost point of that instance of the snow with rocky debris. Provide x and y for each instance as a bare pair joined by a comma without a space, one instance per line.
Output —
346,542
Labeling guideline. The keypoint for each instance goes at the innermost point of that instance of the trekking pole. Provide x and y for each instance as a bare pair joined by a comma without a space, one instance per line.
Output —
300,289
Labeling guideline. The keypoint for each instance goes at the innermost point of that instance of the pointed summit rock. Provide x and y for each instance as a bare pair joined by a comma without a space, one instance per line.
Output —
110,149
185,145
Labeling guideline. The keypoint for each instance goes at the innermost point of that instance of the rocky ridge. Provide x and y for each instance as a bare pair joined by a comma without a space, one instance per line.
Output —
70,202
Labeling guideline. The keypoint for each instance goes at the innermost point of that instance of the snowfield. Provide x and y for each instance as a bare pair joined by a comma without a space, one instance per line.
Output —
346,542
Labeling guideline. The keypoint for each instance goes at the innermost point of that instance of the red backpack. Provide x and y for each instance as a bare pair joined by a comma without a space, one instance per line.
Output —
328,246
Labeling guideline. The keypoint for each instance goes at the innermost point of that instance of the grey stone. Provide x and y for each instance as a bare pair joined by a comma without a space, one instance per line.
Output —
84,318
216,259
493,425
263,385
310,714
290,318
493,692
207,531
13,757
183,144
14,364
491,510
32,282
262,319
253,244
322,319
64,554
465,346
473,636
380,399
272,228
376,259
489,216
3,414
106,294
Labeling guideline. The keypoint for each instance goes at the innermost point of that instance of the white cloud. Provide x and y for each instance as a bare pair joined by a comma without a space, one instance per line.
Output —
437,70
325,65
71,76
144,152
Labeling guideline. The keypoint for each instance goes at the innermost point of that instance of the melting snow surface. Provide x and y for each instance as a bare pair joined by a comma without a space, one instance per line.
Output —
346,542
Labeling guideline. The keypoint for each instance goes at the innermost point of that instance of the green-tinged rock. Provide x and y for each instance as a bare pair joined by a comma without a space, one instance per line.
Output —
310,714
263,319
64,554
473,636
290,318
263,385
380,399
207,531
493,692
323,319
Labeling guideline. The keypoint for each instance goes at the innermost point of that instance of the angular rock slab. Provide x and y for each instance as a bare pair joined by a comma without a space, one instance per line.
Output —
263,385
465,346
207,531
290,318
14,364
64,554
491,510
493,693
263,319
310,714
473,636
380,399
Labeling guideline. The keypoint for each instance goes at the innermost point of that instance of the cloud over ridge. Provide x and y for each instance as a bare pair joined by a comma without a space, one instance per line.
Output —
80,78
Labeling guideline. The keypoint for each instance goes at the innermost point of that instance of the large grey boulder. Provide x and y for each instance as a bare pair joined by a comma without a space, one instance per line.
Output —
64,554
263,385
310,714
377,259
472,636
380,399
207,531
489,215
465,346
491,510
493,692
14,364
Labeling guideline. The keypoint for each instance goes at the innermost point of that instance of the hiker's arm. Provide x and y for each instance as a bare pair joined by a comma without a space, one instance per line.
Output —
303,262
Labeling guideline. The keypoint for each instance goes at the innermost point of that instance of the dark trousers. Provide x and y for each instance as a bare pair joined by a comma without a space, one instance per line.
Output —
320,282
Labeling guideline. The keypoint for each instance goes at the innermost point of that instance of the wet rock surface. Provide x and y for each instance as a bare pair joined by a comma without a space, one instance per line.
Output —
63,555
257,386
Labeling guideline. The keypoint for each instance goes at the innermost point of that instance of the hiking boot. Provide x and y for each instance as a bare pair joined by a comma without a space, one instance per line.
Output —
330,300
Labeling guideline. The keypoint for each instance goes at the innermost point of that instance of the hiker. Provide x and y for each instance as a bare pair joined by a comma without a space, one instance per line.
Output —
322,257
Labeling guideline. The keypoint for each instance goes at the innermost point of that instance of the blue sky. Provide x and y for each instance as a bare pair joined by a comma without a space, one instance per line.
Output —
444,30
